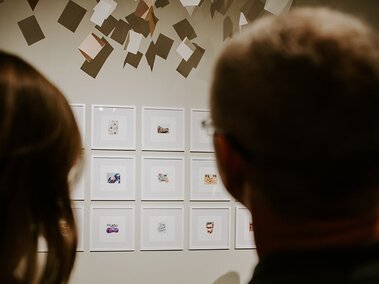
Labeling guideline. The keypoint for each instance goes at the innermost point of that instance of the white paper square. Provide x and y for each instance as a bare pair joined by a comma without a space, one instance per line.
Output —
102,11
242,20
91,46
278,7
135,40
186,49
190,2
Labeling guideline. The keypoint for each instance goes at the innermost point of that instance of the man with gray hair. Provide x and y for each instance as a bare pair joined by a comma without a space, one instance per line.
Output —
295,111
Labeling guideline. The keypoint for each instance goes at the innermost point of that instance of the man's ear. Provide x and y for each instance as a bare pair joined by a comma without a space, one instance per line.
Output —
230,166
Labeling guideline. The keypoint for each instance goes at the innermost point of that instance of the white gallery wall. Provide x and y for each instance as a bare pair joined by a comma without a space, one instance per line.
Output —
57,56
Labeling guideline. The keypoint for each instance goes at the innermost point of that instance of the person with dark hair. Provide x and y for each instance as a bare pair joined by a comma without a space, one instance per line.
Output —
38,136
294,106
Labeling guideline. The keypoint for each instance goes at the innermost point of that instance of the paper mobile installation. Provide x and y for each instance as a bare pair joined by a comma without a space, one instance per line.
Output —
137,29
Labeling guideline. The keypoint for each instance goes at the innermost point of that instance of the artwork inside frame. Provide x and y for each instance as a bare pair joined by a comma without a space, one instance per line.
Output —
112,177
162,228
113,127
201,137
162,178
163,129
244,238
206,183
209,228
112,228
79,111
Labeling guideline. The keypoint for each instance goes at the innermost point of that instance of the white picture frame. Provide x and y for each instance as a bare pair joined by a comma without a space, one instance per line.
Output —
161,228
77,180
244,238
113,177
163,129
209,228
78,210
78,188
79,111
112,228
200,139
205,182
162,178
113,127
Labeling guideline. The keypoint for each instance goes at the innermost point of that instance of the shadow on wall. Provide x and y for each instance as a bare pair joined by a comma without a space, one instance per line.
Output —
228,278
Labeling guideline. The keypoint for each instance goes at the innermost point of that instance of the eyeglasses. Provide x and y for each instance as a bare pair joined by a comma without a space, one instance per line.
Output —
211,130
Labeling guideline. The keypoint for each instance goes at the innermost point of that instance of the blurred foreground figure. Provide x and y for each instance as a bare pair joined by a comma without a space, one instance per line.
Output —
39,145
295,111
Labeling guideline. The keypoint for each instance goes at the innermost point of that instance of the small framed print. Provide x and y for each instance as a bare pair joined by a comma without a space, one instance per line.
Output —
112,178
163,129
76,179
201,137
162,228
244,229
162,178
78,187
209,228
78,211
79,111
113,127
206,182
112,228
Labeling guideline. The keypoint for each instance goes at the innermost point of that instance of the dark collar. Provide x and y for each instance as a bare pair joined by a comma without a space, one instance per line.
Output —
313,266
